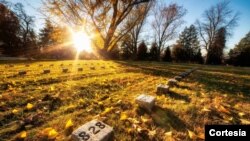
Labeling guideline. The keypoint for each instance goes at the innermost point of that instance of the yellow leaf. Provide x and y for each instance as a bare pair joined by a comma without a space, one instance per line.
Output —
205,109
107,110
52,88
29,106
23,135
192,135
223,110
15,111
168,133
52,134
81,100
69,124
144,119
123,116
241,114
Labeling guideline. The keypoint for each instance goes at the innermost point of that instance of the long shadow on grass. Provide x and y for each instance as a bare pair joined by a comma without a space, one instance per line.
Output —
177,96
224,85
167,119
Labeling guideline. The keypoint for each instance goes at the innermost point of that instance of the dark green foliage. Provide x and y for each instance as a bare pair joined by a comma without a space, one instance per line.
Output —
142,51
9,29
240,55
215,51
187,46
167,55
153,55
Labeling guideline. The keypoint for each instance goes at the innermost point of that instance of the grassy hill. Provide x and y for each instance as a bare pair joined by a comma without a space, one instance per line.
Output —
33,104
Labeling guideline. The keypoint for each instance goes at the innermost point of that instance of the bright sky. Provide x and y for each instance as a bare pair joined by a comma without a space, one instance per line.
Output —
195,9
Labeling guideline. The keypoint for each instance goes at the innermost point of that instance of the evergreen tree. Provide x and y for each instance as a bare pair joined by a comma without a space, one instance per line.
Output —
199,58
142,51
153,55
45,35
240,55
215,52
167,55
188,45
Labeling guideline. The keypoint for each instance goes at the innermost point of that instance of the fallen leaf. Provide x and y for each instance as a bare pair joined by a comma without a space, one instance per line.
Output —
23,135
52,134
241,114
123,116
29,106
223,109
69,124
15,111
192,135
201,136
107,110
206,110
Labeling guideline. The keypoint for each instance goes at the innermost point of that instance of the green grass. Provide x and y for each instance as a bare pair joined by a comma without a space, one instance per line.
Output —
210,95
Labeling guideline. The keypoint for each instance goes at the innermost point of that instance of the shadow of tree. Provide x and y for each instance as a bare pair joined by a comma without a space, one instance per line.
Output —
177,96
167,119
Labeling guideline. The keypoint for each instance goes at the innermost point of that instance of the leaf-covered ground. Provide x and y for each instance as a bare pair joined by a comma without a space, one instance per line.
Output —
39,106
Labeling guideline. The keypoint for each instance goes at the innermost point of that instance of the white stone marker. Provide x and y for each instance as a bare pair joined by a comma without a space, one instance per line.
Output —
178,78
162,89
64,70
145,101
172,82
46,71
93,131
22,72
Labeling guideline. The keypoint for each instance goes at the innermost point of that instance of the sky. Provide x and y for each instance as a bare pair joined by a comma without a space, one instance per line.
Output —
195,8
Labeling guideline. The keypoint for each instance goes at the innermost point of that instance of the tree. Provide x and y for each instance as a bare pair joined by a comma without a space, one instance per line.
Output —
215,18
138,19
45,35
103,18
240,55
165,23
167,55
179,53
142,51
215,52
26,33
9,29
198,57
153,52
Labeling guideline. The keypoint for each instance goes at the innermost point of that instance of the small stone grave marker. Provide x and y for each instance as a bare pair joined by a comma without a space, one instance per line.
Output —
11,66
178,78
27,65
80,69
22,72
172,82
46,71
103,67
51,65
40,65
162,89
61,65
145,101
92,68
65,70
93,131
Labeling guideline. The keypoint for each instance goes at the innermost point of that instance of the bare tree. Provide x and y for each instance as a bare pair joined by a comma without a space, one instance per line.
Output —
136,19
102,17
166,20
215,18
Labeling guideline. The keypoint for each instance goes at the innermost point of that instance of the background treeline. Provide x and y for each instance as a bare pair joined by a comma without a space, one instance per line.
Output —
138,30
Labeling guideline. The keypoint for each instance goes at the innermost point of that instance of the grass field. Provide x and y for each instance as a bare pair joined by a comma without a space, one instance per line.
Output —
33,104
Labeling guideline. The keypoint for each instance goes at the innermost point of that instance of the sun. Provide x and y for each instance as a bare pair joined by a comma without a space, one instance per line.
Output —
82,42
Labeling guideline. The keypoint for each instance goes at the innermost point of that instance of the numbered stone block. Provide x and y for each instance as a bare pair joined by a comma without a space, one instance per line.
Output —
178,78
65,70
172,82
46,71
162,89
80,69
183,75
145,101
93,131
92,68
22,72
